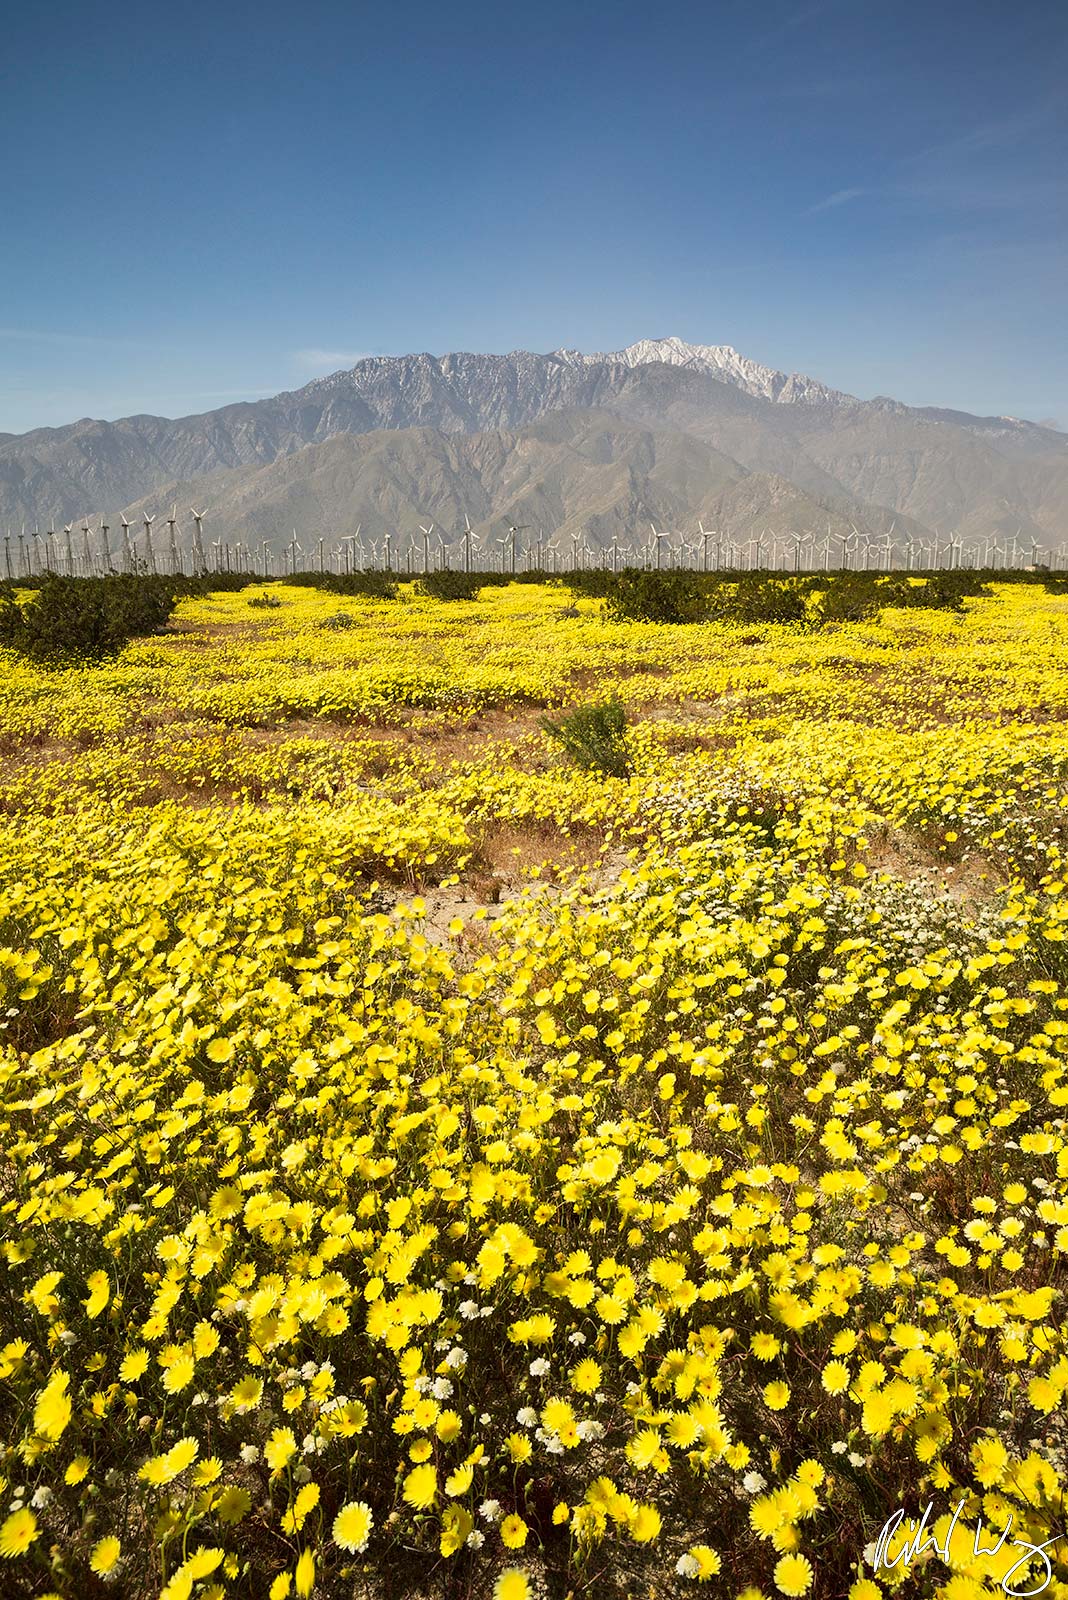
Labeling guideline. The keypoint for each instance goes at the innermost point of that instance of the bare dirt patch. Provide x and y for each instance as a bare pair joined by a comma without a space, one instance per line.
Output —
903,854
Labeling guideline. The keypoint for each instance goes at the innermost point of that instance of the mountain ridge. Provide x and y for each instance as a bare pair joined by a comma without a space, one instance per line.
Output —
938,468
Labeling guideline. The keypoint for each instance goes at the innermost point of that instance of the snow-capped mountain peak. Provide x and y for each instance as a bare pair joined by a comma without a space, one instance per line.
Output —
719,361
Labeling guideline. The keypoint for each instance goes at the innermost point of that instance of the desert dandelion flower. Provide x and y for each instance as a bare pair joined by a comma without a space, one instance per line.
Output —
17,1533
352,1527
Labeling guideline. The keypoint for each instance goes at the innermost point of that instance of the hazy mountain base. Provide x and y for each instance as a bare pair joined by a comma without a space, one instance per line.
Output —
977,476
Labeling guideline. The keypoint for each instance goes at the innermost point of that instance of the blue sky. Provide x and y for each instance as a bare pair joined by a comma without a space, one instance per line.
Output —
203,203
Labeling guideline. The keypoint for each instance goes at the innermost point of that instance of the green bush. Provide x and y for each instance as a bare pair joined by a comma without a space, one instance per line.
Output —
595,738
370,584
446,585
265,601
854,596
84,619
635,595
212,583
761,599
593,582
340,620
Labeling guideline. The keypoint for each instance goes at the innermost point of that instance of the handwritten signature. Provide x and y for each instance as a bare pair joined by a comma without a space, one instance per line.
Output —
923,1539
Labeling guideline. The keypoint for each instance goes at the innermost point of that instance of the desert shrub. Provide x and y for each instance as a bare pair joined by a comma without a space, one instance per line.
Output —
447,585
594,737
212,583
265,601
853,596
339,621
595,583
768,600
84,619
635,595
367,585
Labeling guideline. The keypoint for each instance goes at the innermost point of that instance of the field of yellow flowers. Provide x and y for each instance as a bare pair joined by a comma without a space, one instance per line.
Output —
429,1169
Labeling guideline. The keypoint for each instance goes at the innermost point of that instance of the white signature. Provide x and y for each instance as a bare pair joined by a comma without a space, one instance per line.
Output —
923,1539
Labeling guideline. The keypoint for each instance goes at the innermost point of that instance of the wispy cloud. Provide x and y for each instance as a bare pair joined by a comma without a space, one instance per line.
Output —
999,133
999,164
53,336
787,25
315,361
840,197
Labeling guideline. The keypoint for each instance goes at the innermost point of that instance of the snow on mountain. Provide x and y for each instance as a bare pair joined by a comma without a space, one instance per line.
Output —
719,361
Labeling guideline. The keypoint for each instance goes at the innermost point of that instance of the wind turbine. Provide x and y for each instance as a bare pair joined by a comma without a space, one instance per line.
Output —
172,538
513,529
843,540
52,567
706,534
88,552
467,542
198,539
105,550
657,538
426,532
149,552
127,552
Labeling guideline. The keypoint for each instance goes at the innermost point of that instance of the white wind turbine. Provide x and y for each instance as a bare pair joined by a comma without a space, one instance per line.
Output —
426,532
198,539
513,529
127,552
706,535
172,538
150,554
467,542
657,540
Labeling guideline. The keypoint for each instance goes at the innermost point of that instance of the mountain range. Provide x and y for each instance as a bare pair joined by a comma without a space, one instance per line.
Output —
571,444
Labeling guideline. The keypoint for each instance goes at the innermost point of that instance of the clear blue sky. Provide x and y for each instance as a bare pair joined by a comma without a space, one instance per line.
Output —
203,203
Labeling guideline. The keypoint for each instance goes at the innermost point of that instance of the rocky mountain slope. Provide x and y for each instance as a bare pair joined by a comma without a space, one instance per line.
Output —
805,453
569,476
